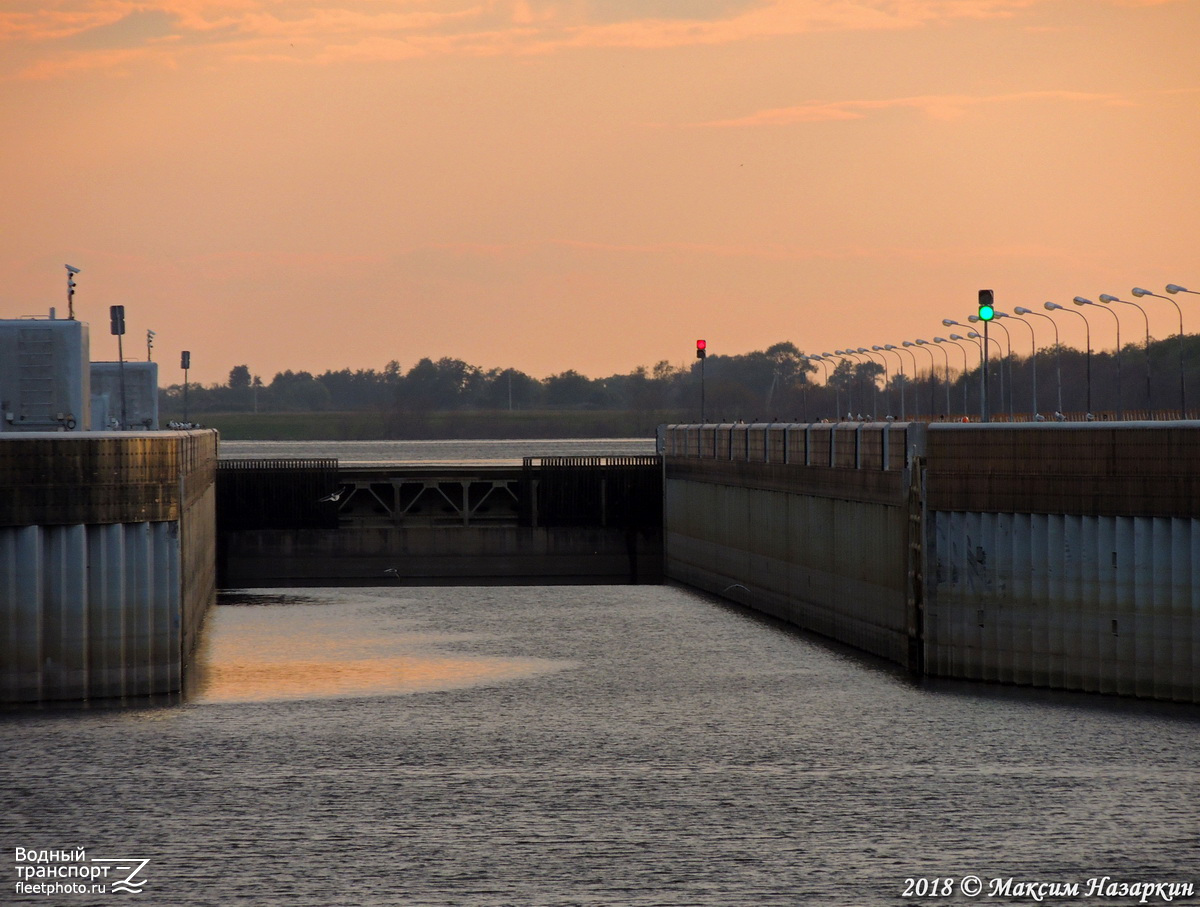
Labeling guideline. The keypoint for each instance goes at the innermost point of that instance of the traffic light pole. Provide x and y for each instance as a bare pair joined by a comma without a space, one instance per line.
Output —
702,390
983,379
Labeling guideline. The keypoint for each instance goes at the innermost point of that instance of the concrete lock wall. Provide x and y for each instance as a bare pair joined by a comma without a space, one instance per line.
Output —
1043,554
810,523
107,562
1066,556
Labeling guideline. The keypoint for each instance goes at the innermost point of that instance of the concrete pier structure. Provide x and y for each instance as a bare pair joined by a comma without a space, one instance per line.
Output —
1055,555
107,561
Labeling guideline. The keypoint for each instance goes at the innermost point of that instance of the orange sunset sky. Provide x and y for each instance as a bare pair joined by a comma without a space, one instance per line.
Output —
590,184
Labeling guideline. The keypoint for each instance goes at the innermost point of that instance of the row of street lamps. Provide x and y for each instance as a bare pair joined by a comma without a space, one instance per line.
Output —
850,354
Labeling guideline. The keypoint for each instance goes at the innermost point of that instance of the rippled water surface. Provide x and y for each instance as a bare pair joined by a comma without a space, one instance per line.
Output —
587,745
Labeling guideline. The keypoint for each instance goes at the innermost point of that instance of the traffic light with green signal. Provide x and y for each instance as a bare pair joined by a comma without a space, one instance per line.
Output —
987,305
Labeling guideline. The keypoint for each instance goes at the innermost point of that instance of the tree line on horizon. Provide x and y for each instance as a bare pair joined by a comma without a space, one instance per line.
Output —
779,383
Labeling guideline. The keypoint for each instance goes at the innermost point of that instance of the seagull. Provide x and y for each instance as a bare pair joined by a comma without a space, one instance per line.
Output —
1038,417
335,497
733,586
392,572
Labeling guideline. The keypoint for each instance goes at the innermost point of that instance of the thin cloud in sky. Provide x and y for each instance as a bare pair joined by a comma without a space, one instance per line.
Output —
81,34
942,107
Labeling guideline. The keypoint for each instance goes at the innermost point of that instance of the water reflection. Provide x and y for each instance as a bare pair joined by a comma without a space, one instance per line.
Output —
262,648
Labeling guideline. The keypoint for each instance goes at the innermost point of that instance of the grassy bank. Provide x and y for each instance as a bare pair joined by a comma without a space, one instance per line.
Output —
365,426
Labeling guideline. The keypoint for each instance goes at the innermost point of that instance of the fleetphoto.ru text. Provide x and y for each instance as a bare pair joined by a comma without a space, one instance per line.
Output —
57,872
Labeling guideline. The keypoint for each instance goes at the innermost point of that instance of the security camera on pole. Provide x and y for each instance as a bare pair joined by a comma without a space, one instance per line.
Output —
987,311
71,272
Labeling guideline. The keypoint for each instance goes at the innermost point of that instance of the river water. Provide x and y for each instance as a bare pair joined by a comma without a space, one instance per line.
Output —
599,745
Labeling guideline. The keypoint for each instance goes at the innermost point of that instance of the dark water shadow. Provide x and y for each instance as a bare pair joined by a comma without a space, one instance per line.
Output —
1111,703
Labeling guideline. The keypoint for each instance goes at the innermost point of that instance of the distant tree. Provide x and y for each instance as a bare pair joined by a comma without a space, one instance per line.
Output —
569,388
239,377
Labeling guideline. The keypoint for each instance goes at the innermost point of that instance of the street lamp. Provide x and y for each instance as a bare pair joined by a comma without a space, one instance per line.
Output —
887,402
974,319
1032,361
964,352
1172,288
892,349
1108,299
932,375
1052,306
836,389
1082,301
854,363
945,355
874,385
971,335
984,383
825,365
916,397
851,351
1021,310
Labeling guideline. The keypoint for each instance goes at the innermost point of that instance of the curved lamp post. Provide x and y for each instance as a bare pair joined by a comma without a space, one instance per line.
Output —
892,349
946,356
983,375
964,352
1032,359
874,386
853,367
1172,288
1108,299
1054,306
974,319
978,341
982,341
837,391
823,364
1082,301
916,396
932,375
1022,311
887,402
